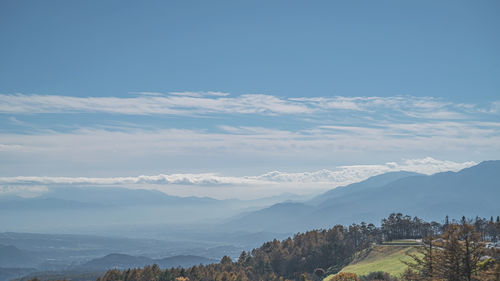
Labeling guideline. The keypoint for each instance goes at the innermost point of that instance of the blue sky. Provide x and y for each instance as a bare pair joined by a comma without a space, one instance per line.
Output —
286,48
243,88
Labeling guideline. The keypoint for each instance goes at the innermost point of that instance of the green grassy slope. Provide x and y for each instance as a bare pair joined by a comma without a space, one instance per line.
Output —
385,258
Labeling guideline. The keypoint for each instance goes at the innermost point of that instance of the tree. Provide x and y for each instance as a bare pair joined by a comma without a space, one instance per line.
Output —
378,276
423,264
345,276
456,257
472,249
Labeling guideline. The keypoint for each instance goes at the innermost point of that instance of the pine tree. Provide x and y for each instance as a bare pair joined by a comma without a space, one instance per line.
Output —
423,264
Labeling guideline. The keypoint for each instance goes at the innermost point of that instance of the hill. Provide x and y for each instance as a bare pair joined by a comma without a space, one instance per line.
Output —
11,256
386,258
123,261
183,261
119,261
471,191
7,274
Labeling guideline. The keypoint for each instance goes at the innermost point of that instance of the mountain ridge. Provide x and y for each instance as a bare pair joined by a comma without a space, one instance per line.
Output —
472,190
124,261
11,257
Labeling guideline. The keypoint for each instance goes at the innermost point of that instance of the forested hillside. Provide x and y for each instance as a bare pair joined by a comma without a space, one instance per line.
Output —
315,254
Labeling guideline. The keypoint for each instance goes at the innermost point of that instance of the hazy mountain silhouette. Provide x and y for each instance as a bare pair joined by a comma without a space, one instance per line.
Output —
102,210
119,261
118,196
122,261
7,274
11,256
45,203
470,192
183,261
373,182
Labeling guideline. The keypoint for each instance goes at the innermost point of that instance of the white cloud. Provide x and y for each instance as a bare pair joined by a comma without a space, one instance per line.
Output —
495,107
195,103
10,147
200,94
323,139
25,191
142,151
268,184
344,103
179,179
349,174
402,104
174,104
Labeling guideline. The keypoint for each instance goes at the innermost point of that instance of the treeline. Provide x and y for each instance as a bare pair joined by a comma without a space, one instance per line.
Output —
489,230
305,256
397,226
312,253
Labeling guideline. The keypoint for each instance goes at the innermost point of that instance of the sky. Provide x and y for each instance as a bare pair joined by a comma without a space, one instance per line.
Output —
244,98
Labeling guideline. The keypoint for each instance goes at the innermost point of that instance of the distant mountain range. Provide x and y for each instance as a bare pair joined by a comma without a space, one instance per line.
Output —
470,192
44,203
92,197
103,210
122,261
95,197
117,196
16,262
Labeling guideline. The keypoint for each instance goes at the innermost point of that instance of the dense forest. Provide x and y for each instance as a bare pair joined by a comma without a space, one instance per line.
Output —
315,254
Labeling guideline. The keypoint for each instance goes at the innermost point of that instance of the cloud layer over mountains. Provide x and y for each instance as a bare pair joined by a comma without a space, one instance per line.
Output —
268,184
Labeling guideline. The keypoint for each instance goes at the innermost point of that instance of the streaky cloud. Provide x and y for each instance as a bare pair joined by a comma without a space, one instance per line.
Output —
203,103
